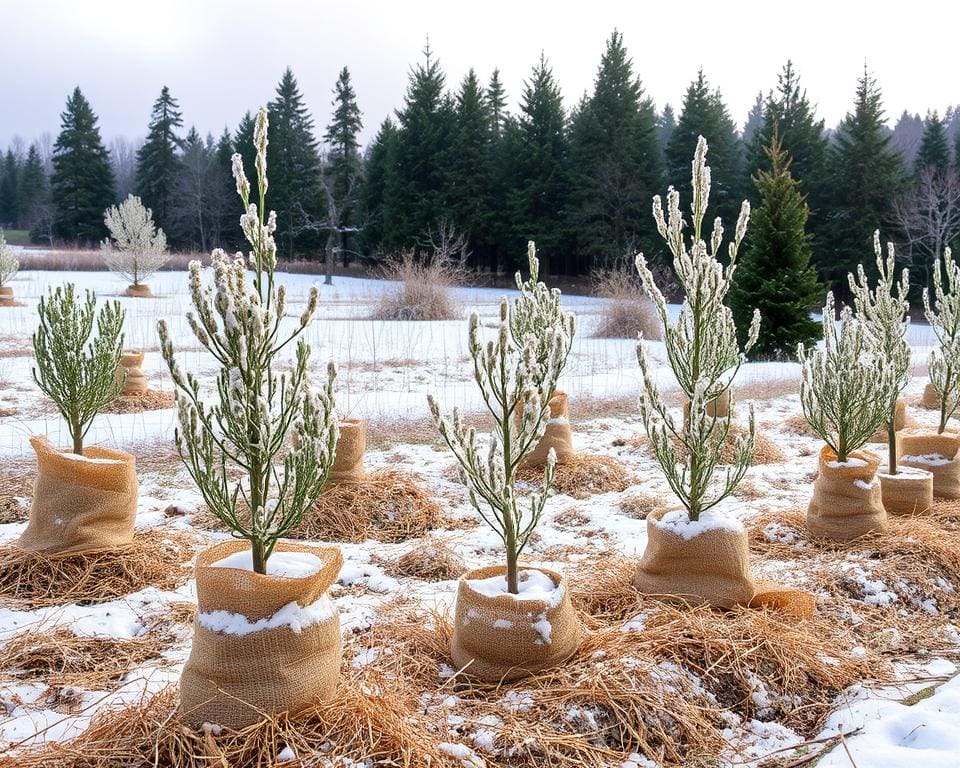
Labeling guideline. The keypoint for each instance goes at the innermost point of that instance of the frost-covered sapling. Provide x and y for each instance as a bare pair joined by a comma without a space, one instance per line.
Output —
8,264
883,313
702,350
944,318
136,248
77,367
262,454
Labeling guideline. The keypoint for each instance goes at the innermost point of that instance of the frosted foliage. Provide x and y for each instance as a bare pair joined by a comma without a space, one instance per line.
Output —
702,350
8,264
136,249
260,455
845,387
944,318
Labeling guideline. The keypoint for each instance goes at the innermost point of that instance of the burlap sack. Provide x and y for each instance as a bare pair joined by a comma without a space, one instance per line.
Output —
502,638
718,408
348,459
909,492
899,422
558,434
141,291
847,501
930,399
235,680
946,470
712,568
6,296
135,381
81,504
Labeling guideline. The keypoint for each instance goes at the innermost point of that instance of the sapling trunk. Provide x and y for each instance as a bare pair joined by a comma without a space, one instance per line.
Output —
77,439
891,447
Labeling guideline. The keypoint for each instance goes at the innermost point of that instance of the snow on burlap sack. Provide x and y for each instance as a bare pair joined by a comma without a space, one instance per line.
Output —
502,637
81,503
275,656
847,499
711,567
558,434
909,492
899,422
937,454
348,459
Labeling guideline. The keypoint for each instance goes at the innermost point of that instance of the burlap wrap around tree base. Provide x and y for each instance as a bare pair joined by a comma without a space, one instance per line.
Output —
945,469
711,568
235,680
899,423
81,504
135,380
558,434
348,459
930,399
847,500
501,638
141,291
6,297
718,408
909,492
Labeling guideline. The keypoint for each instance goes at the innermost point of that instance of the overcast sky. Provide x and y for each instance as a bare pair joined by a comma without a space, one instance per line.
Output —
223,58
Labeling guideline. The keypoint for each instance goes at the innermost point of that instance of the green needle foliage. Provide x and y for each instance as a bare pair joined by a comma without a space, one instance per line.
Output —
944,319
516,383
76,368
270,427
702,349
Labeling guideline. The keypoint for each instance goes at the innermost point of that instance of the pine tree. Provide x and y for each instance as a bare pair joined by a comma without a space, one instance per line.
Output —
9,208
866,176
666,125
82,182
188,216
774,275
754,121
538,199
496,99
705,114
221,185
378,174
616,165
294,164
158,163
32,191
345,165
934,151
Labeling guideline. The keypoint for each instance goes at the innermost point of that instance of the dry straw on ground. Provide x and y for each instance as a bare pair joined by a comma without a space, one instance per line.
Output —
431,561
765,451
34,580
424,291
583,476
628,311
151,400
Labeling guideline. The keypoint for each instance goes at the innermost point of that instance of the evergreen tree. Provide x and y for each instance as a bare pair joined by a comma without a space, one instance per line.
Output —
9,209
294,164
188,213
222,206
158,163
666,124
32,191
496,104
774,274
907,134
82,182
378,174
705,114
867,175
469,182
344,162
616,165
754,121
538,200
934,151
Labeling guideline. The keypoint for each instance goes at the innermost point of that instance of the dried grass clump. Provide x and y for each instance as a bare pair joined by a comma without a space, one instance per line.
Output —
13,485
628,310
765,451
151,400
638,505
154,559
424,290
583,476
430,561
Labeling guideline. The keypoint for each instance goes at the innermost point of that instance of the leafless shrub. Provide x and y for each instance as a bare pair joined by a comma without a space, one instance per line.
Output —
628,310
423,288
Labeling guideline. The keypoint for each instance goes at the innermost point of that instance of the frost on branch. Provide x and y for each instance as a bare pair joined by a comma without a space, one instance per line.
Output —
136,249
8,264
944,319
845,389
516,383
270,426
702,350
883,313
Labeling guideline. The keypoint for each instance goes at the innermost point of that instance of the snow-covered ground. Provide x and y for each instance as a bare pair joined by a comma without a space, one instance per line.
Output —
386,369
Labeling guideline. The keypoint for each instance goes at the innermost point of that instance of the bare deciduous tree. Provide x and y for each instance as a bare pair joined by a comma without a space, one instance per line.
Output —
929,217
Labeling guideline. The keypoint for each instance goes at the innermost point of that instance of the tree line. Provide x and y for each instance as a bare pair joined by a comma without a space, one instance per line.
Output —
578,182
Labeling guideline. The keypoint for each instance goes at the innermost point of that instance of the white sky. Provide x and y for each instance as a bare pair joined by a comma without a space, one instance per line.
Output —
223,58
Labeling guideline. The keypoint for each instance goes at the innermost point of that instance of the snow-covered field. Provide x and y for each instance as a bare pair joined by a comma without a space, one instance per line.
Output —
386,369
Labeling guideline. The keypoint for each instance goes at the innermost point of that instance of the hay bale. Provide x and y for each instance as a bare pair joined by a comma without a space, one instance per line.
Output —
33,580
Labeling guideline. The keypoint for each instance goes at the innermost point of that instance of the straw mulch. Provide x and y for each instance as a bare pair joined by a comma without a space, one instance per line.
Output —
13,485
765,451
583,476
431,561
150,400
34,580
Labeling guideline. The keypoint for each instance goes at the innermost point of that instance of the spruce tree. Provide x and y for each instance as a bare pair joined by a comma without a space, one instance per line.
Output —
345,165
158,161
754,122
222,201
616,164
774,274
378,174
9,208
705,114
539,196
934,151
82,181
866,176
666,124
32,191
496,98
500,247
294,164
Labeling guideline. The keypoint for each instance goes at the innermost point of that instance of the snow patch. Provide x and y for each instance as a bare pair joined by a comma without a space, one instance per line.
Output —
930,459
293,616
678,523
531,585
292,565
